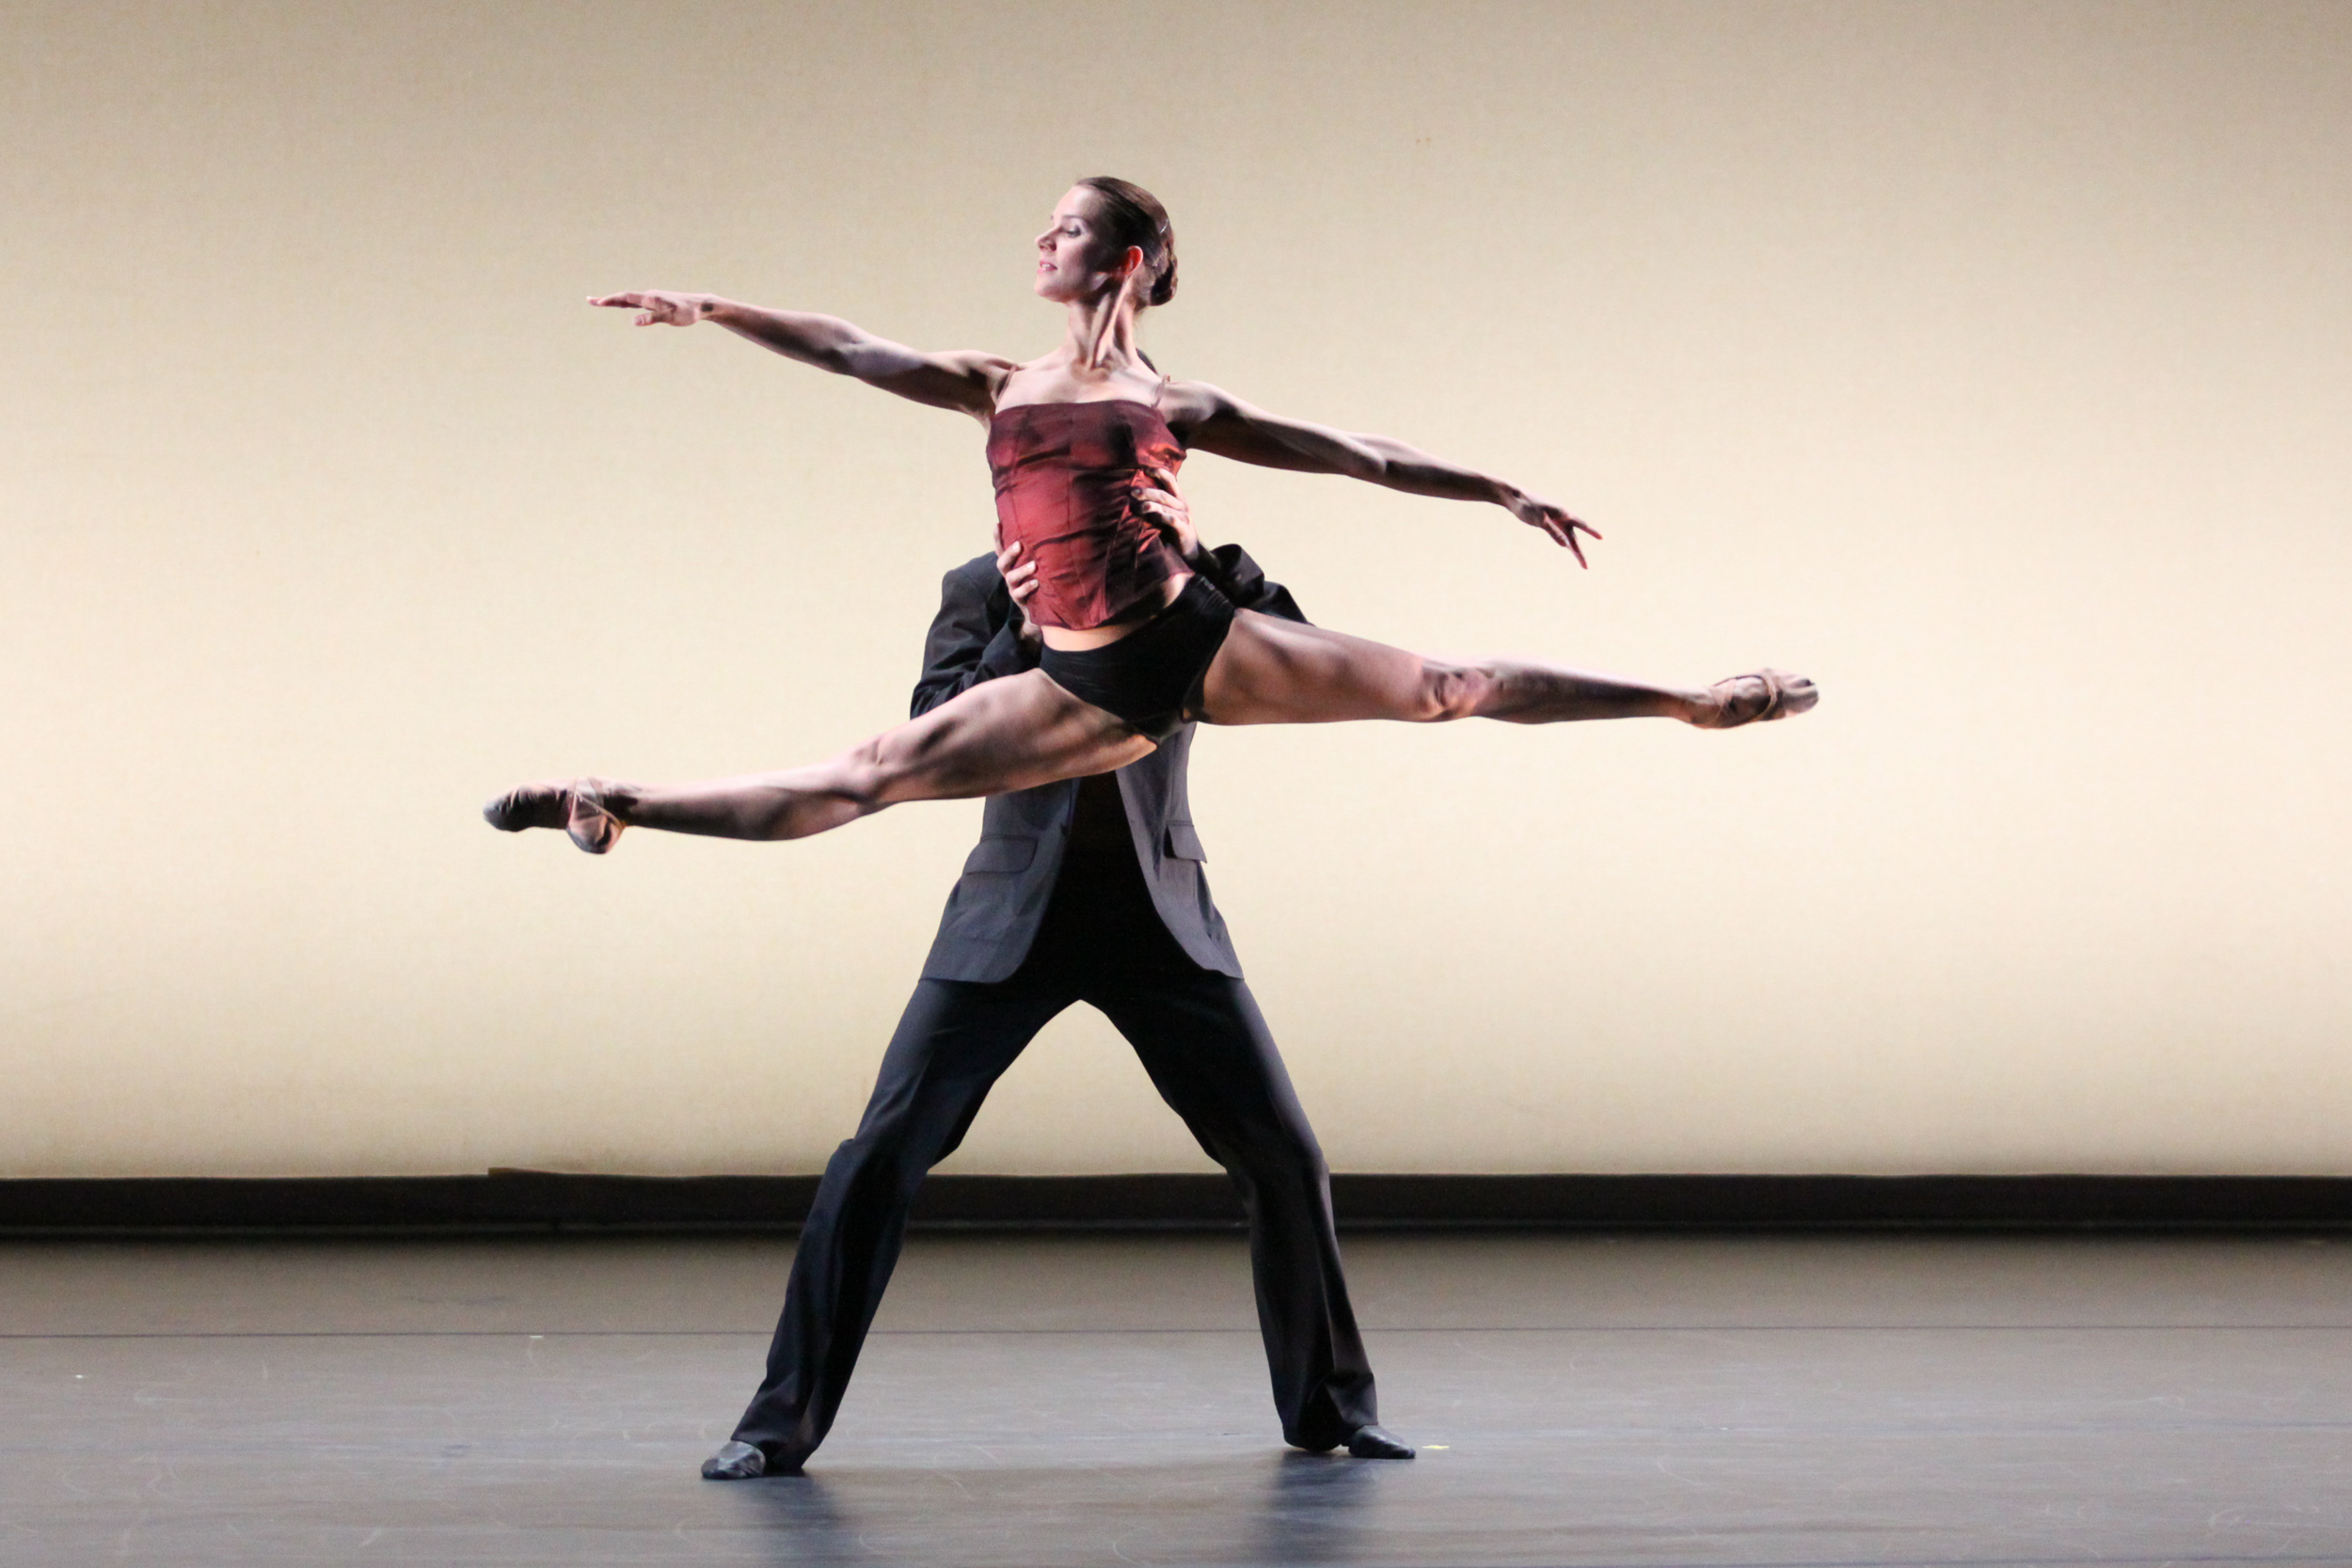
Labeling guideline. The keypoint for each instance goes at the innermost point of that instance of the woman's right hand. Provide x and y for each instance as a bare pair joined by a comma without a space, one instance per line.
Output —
1021,582
659,308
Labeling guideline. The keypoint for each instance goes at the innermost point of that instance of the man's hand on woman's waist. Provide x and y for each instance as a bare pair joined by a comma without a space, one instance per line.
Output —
1021,582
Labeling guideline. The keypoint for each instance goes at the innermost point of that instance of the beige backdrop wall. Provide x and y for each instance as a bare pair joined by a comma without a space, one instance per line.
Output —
1991,363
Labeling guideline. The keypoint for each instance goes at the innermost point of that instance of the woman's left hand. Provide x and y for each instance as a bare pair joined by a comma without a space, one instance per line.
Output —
1166,511
1556,522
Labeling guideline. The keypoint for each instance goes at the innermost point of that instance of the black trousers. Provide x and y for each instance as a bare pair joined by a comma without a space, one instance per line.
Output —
1209,1053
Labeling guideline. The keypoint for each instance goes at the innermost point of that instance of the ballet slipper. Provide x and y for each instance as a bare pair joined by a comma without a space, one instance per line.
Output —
1757,698
575,805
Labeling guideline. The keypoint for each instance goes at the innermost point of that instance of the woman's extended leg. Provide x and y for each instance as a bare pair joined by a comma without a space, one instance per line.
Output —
1004,734
1271,671
1023,730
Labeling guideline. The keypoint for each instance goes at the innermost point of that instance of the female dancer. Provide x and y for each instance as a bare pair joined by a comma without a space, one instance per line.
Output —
1084,445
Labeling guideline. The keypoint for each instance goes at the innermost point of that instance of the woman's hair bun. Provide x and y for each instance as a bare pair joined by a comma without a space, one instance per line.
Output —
1131,215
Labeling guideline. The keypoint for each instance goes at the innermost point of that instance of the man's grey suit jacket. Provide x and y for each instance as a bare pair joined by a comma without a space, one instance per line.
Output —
994,913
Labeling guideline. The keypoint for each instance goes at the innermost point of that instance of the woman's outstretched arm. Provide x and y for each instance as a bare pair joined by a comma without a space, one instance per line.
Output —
961,379
1231,428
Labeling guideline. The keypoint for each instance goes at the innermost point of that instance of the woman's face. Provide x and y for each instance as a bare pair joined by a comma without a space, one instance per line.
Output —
1073,260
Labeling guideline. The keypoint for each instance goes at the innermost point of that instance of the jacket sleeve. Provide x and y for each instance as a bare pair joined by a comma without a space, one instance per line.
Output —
1239,579
975,637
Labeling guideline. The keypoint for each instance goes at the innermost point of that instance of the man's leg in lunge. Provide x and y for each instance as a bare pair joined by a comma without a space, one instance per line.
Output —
1207,1048
953,1042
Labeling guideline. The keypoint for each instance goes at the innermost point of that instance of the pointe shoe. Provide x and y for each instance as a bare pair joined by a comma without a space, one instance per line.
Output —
575,805
1378,1442
1758,698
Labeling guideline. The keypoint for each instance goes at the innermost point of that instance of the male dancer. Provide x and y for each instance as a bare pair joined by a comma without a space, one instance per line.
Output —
1089,889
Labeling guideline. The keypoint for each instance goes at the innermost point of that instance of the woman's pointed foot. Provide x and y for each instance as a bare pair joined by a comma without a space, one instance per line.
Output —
575,805
1756,699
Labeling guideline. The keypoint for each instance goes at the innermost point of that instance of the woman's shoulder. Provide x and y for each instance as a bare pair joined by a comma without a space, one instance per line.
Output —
1185,402
1000,387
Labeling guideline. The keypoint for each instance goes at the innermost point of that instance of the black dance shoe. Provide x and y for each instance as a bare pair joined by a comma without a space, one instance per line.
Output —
736,1462
1365,1442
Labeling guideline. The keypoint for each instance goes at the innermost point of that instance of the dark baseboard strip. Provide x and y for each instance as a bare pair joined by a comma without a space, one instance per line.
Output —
503,1201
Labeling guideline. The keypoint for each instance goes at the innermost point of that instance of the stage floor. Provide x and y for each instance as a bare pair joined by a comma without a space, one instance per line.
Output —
1040,1401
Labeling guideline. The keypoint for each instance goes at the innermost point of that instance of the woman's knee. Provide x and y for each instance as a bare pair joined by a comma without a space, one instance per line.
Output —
1448,691
866,774
932,761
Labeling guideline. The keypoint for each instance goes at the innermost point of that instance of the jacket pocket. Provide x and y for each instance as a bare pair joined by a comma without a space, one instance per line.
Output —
1000,854
1184,844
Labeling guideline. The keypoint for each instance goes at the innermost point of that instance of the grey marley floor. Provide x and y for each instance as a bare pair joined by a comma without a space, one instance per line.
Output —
1071,1400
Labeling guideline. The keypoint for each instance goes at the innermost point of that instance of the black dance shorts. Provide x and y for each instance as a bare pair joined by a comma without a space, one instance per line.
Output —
1153,676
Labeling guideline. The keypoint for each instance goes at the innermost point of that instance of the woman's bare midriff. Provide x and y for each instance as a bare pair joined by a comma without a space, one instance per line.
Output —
1070,639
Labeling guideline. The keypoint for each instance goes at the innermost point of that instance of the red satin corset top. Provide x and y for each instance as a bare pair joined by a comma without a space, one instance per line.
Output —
1066,478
